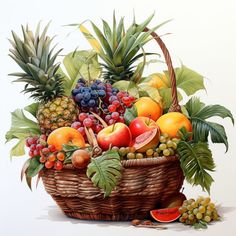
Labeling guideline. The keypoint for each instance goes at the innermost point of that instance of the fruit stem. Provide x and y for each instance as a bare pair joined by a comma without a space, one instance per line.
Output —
113,127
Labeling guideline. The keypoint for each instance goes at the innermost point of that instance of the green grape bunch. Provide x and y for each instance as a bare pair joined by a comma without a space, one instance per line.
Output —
167,146
198,212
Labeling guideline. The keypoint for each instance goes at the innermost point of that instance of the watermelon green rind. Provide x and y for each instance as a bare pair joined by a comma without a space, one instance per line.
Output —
165,215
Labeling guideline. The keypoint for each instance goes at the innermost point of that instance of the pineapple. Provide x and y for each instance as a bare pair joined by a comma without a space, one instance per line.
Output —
119,49
36,59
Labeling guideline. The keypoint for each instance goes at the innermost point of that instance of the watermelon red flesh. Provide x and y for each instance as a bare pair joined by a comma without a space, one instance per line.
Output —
166,215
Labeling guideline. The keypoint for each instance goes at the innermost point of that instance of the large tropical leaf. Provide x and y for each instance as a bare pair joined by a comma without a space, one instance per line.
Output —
79,64
105,171
196,161
187,81
199,113
21,128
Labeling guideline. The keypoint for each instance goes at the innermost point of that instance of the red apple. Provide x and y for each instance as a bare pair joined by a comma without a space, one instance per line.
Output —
117,135
140,125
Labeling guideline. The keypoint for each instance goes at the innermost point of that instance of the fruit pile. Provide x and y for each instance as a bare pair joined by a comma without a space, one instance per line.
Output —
97,114
201,210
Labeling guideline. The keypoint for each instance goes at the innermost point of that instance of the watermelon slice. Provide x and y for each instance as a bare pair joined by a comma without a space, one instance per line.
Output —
166,215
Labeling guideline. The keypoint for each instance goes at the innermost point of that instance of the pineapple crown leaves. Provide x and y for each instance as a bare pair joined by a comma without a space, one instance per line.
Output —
36,58
119,48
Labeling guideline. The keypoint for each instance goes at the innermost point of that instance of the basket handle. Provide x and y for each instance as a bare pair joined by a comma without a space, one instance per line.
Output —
175,104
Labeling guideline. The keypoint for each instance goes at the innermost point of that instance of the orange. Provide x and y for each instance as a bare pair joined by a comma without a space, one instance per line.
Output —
158,81
65,135
171,122
149,108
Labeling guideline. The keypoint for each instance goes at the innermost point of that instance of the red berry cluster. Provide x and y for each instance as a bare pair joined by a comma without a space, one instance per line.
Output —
52,158
117,106
47,153
89,121
36,144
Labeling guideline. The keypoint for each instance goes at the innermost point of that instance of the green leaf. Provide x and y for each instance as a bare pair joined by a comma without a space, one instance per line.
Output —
187,81
32,109
127,86
105,171
200,225
21,128
130,114
34,167
196,160
167,96
18,149
79,64
198,113
149,91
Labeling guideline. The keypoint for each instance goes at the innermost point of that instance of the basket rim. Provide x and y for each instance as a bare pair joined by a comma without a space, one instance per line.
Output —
138,162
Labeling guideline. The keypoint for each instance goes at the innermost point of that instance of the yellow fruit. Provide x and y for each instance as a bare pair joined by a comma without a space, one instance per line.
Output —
158,81
149,108
171,122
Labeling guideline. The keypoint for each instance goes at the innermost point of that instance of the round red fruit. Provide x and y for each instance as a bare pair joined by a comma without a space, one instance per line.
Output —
43,137
87,122
39,147
116,103
52,148
107,118
81,130
36,152
58,165
61,156
76,125
45,151
49,164
82,116
51,157
42,159
115,115
98,128
31,153
111,122
32,147
111,108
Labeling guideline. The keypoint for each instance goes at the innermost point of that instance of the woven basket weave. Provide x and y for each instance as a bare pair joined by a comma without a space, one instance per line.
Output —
145,183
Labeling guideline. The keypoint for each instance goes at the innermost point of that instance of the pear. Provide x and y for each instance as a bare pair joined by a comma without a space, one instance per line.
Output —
174,200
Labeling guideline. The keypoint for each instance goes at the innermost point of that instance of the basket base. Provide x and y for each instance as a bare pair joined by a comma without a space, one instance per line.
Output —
106,217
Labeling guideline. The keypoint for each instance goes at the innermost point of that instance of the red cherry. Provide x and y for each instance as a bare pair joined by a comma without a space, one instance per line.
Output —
76,125
30,141
98,128
45,150
51,148
87,122
36,152
49,164
43,137
39,147
115,115
82,116
31,153
116,103
42,159
121,119
58,165
33,147
111,122
107,118
111,108
81,130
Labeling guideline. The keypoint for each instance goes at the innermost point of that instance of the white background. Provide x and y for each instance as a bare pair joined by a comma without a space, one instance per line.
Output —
203,38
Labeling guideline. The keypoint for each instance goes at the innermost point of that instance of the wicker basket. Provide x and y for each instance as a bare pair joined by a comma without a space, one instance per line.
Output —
145,183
